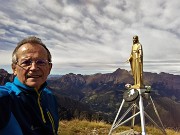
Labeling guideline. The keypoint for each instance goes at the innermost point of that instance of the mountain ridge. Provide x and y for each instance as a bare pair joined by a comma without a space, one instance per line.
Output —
104,92
98,96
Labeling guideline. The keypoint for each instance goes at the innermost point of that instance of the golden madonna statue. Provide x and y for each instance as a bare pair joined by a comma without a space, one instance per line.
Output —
136,62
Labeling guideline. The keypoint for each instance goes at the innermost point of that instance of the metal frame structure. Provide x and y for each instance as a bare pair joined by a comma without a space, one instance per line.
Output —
118,122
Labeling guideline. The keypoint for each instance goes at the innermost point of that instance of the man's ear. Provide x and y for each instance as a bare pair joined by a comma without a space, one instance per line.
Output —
13,66
50,67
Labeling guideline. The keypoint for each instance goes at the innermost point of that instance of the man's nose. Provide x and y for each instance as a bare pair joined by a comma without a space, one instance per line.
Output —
34,66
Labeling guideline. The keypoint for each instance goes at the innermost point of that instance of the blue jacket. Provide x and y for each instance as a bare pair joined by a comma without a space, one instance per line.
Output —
35,112
12,127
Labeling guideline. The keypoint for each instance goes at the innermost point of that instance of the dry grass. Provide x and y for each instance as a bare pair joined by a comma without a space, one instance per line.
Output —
84,127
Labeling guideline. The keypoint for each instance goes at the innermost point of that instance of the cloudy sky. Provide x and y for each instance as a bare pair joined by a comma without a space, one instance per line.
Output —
94,36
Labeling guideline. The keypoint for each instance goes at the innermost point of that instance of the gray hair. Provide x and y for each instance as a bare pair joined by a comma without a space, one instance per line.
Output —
33,40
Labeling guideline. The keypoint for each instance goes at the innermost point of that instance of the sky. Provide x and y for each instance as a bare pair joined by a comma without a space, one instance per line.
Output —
94,36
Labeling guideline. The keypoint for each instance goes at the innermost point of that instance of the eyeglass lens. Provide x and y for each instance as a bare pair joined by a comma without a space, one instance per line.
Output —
39,62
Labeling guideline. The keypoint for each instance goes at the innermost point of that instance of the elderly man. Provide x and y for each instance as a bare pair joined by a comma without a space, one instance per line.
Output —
27,103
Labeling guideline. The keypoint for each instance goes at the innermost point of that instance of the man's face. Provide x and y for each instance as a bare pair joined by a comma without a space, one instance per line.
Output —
32,67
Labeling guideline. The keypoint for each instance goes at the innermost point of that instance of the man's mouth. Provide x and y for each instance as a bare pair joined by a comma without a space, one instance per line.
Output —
33,76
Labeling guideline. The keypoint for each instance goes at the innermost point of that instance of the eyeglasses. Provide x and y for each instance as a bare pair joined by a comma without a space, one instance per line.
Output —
28,62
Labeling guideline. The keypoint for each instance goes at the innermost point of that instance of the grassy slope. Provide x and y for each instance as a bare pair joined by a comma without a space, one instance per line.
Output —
83,127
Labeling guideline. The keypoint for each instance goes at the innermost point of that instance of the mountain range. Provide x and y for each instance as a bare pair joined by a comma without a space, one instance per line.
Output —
98,96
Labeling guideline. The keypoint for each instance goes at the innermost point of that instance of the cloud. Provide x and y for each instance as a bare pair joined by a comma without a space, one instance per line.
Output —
89,36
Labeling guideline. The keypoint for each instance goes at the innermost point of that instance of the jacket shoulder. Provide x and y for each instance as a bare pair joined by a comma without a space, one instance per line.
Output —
11,87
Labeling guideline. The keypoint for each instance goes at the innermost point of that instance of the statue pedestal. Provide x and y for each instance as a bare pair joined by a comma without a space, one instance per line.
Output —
132,96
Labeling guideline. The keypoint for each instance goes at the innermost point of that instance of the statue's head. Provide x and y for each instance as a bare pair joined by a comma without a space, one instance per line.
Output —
135,39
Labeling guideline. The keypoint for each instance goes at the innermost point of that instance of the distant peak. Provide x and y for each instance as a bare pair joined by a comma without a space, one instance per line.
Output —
119,70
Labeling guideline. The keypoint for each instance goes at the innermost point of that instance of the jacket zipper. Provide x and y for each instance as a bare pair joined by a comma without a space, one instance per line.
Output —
52,121
39,104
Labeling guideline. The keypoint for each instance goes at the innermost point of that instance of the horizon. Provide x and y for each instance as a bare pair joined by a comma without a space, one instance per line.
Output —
54,74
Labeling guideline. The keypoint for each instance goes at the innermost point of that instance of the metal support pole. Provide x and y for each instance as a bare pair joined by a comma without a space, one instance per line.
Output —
133,120
116,117
141,107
